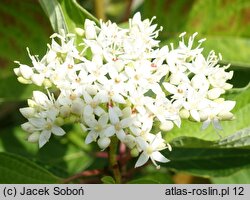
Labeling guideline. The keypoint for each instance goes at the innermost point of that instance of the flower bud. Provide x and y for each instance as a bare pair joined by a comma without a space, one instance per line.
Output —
59,121
47,83
71,119
31,103
90,31
27,112
77,106
28,127
203,116
79,31
104,142
17,71
40,98
34,137
225,115
37,79
215,93
219,100
26,71
184,114
65,111
129,140
134,152
227,86
23,80
167,126
91,90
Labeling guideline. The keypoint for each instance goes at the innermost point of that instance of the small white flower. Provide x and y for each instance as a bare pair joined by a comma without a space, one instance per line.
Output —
92,104
96,127
117,126
151,150
217,111
46,126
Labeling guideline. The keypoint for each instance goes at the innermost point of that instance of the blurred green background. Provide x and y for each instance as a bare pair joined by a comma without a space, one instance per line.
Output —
225,24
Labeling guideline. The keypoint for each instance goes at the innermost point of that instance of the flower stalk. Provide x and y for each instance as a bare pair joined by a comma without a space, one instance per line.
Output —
113,164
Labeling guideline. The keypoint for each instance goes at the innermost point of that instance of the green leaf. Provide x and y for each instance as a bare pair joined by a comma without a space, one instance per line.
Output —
226,45
207,161
211,158
12,90
166,12
16,169
19,20
240,177
60,156
190,142
108,180
65,14
219,17
240,139
23,24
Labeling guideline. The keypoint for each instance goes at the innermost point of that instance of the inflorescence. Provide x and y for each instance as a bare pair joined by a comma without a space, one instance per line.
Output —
118,82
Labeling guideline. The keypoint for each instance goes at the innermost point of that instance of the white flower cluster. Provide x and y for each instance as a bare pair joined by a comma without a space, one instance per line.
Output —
118,82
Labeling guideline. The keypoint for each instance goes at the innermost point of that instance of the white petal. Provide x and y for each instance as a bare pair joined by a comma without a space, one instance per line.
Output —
113,116
215,93
27,112
34,137
216,124
28,127
121,135
170,88
102,96
205,124
195,115
91,137
37,79
88,110
103,120
99,111
228,105
142,143
38,122
142,160
58,131
135,130
137,18
89,27
126,122
90,121
87,97
110,131
158,157
178,122
118,98
40,97
44,138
